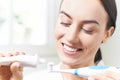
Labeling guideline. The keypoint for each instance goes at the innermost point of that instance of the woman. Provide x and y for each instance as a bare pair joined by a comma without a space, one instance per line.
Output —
82,26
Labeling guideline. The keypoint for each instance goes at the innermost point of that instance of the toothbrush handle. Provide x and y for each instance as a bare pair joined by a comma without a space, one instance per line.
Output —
92,70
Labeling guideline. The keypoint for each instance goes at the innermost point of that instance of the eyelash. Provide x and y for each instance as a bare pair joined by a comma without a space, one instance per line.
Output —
65,24
68,24
87,31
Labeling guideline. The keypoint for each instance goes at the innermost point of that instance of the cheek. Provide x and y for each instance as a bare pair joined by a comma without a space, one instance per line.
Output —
91,42
58,32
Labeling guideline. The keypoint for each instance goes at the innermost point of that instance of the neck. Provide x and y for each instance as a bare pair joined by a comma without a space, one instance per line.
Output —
67,66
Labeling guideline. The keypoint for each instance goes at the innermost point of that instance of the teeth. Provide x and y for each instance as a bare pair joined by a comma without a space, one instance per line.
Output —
69,48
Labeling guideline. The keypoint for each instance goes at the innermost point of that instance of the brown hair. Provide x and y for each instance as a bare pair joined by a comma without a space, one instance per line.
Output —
110,7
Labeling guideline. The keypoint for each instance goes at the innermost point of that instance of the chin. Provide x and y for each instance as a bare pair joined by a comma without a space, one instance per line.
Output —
69,62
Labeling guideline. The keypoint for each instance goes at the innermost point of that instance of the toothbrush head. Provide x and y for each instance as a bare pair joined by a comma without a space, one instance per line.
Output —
50,66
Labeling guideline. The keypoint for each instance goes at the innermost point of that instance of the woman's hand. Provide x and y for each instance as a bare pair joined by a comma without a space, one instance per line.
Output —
108,75
13,71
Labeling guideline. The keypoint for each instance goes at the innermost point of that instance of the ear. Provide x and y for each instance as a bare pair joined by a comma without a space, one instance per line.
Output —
108,34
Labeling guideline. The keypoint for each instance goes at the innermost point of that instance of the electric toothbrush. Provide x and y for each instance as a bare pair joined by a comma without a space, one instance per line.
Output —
85,71
25,60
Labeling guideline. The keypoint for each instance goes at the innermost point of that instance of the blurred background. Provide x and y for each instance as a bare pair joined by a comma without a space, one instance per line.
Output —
28,26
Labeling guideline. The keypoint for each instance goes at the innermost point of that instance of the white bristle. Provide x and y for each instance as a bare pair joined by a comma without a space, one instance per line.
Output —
50,66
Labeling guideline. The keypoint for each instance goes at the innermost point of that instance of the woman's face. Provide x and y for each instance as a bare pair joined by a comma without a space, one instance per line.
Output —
80,29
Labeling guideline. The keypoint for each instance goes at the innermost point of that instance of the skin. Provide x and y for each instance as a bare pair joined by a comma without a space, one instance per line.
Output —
108,75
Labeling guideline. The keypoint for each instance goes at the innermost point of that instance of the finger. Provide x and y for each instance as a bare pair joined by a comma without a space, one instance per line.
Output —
16,70
15,67
113,75
99,77
15,53
1,55
22,53
5,54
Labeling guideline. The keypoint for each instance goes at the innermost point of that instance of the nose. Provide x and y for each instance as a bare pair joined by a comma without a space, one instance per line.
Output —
72,34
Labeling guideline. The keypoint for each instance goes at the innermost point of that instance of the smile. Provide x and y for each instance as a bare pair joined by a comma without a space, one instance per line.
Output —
71,49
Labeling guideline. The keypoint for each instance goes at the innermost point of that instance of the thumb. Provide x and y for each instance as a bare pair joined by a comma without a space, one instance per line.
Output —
16,70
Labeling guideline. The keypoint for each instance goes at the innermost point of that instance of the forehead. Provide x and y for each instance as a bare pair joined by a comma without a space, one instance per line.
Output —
81,3
84,8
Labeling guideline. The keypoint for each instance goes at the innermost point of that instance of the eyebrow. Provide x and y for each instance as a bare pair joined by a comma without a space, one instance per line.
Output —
66,14
90,21
85,21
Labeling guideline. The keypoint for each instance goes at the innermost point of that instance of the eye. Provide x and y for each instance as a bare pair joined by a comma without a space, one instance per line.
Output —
65,24
87,31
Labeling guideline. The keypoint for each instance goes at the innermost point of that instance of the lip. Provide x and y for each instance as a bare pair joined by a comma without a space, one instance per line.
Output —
70,50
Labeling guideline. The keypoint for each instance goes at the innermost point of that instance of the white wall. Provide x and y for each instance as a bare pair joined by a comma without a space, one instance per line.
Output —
111,49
